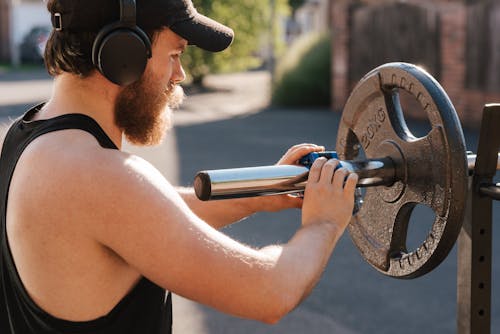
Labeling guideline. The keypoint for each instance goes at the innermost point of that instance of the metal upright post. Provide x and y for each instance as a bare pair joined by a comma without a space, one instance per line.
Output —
474,242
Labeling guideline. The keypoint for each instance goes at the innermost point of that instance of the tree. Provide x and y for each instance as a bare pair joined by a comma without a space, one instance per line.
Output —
250,21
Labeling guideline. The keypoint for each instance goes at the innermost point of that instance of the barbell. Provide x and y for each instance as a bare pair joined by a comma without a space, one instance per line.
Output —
398,170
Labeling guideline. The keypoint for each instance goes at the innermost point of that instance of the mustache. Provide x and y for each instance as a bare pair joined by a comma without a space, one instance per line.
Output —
175,95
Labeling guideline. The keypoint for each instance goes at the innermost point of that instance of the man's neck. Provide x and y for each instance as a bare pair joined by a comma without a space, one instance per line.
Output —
93,96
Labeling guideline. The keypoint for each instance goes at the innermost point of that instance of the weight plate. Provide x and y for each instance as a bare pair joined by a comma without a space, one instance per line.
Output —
431,170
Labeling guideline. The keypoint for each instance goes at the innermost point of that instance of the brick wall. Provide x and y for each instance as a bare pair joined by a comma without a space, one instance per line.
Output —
452,42
340,53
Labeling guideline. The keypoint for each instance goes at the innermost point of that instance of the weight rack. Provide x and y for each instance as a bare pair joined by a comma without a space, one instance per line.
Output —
475,241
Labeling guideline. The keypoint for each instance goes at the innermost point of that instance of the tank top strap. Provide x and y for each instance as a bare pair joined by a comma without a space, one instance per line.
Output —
64,122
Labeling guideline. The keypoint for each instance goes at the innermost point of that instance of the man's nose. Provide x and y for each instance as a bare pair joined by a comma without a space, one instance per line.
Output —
178,75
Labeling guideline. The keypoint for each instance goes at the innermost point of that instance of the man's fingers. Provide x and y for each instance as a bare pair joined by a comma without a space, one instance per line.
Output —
350,185
316,170
327,173
339,178
298,151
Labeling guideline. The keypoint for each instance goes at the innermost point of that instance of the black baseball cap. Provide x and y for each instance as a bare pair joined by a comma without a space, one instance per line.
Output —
178,15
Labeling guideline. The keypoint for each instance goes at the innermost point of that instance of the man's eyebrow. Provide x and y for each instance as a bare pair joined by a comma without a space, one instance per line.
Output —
181,46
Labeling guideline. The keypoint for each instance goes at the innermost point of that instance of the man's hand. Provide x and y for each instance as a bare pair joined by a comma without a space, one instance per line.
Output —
282,202
293,155
222,213
329,195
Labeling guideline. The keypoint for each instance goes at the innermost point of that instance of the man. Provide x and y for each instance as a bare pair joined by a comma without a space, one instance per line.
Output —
92,237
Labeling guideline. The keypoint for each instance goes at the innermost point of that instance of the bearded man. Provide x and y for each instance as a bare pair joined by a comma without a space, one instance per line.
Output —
93,239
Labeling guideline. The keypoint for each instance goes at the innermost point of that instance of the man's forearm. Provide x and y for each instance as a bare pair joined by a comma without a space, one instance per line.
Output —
306,256
218,213
298,265
292,269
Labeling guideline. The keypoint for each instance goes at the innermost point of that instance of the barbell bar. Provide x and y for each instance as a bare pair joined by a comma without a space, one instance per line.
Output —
288,179
398,170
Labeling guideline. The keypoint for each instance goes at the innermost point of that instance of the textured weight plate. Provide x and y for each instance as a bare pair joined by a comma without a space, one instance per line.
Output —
431,170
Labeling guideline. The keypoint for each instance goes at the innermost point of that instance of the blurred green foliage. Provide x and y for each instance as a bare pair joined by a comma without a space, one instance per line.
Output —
251,22
303,74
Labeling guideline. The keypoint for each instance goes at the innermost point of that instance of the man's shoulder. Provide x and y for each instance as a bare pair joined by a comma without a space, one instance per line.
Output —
68,151
73,161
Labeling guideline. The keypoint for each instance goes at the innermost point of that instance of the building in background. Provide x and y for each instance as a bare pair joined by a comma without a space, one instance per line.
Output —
19,18
312,16
457,41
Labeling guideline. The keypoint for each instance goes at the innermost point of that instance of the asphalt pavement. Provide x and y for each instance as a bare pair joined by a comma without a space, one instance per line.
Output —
230,125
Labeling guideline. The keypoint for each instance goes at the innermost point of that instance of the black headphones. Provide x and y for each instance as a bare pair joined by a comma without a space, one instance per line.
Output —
121,49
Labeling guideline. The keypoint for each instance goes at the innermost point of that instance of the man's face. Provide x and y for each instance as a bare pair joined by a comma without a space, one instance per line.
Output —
143,109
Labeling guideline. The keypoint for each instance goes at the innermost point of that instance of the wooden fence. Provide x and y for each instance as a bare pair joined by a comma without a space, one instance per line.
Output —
393,32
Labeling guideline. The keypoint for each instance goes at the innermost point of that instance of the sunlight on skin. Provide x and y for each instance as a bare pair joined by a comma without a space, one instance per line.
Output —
163,156
189,318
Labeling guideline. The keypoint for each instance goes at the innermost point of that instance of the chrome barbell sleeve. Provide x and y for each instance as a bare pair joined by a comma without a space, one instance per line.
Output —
282,179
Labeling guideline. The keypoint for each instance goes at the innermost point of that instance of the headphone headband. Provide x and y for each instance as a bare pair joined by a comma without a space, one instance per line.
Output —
128,12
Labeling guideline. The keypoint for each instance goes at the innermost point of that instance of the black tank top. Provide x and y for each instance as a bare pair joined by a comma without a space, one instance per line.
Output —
145,309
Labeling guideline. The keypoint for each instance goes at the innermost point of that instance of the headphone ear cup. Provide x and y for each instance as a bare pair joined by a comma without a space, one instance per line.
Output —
121,54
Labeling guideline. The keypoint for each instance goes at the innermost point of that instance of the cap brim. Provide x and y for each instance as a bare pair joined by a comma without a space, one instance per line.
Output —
205,33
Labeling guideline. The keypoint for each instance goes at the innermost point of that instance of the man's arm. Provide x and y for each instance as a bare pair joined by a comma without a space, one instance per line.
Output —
136,213
222,213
